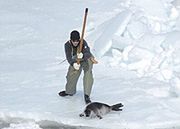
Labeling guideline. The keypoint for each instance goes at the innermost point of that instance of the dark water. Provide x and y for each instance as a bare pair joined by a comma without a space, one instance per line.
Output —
47,124
55,125
44,124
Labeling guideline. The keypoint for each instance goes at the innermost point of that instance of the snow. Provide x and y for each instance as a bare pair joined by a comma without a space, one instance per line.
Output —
137,46
114,26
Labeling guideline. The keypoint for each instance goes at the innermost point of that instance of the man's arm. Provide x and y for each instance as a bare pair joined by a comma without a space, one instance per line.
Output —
68,52
86,51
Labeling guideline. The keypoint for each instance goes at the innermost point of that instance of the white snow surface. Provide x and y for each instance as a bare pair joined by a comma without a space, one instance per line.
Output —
135,41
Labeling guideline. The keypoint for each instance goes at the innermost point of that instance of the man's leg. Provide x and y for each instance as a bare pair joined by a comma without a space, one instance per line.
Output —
88,78
72,78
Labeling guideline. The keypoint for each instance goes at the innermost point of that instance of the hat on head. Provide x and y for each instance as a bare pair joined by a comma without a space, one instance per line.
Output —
74,35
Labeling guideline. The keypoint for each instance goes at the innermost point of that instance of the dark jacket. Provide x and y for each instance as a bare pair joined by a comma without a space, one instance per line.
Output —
71,52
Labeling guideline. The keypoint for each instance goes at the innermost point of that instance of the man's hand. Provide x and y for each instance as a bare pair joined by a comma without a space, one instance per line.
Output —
76,66
80,55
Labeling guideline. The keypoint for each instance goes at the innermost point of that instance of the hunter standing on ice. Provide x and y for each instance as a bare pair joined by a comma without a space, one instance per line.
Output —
75,69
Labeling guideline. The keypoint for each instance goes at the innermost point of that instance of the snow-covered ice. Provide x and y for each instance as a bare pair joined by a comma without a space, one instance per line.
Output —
136,43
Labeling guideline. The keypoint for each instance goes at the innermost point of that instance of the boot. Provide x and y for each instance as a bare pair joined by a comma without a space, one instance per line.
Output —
63,94
87,99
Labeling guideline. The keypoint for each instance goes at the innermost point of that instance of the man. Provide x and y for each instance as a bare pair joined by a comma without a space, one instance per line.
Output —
75,69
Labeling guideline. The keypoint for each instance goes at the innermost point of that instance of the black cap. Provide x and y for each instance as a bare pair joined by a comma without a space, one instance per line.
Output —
75,35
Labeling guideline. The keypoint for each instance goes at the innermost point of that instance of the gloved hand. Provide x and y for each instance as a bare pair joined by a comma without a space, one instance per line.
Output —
80,55
76,66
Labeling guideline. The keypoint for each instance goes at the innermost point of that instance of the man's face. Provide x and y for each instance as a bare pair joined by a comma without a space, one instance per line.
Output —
75,42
